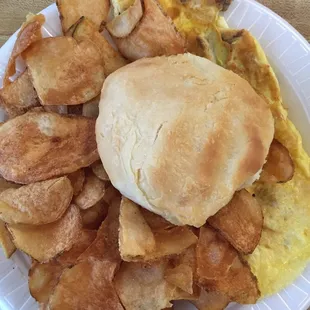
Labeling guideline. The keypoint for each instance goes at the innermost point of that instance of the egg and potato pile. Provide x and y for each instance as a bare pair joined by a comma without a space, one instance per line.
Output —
90,246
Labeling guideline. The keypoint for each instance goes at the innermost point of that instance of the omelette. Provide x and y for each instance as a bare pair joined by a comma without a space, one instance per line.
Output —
284,248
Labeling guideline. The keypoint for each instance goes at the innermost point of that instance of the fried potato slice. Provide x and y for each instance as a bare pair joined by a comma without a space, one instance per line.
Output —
211,301
138,242
43,242
136,239
221,270
19,96
71,10
6,241
279,166
87,283
154,35
29,33
155,221
91,108
105,246
92,192
77,179
240,222
40,145
111,194
94,216
119,6
64,71
181,276
99,171
4,185
37,203
42,278
60,109
122,25
86,31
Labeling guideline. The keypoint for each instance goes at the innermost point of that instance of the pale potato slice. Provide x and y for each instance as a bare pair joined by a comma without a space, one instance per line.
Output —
19,97
279,166
119,6
88,285
85,30
154,35
71,10
6,242
43,242
37,203
77,179
99,171
44,277
240,222
122,25
40,145
29,33
63,71
92,192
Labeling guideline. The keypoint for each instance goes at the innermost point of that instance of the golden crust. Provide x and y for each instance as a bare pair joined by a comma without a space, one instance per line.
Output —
182,143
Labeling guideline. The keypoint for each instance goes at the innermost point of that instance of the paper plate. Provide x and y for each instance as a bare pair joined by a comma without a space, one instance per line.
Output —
289,54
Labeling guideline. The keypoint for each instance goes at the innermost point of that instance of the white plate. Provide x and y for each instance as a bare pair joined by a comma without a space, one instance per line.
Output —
289,54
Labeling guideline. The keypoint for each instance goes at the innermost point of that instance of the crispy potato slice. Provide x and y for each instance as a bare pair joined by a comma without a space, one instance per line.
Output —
92,192
37,203
214,255
6,241
136,238
75,109
105,246
77,179
221,270
60,109
112,59
211,301
99,171
181,276
240,222
119,6
44,277
155,221
154,35
4,185
19,97
87,283
29,33
64,71
138,242
111,194
43,242
122,25
91,108
279,166
40,145
94,216
71,10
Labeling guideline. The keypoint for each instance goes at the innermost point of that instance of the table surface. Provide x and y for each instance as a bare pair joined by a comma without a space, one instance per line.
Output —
13,12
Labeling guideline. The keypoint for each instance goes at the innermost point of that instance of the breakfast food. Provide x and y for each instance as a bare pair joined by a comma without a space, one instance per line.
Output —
215,205
168,144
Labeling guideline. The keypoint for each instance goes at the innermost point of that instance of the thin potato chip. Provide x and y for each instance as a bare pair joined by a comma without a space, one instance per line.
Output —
105,246
181,276
111,194
19,97
112,59
75,109
119,6
155,221
211,301
40,145
138,242
4,185
136,238
99,171
29,33
60,109
154,35
94,216
91,108
77,179
64,71
71,10
88,285
240,222
44,277
37,203
92,192
279,166
122,25
43,242
214,255
6,242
